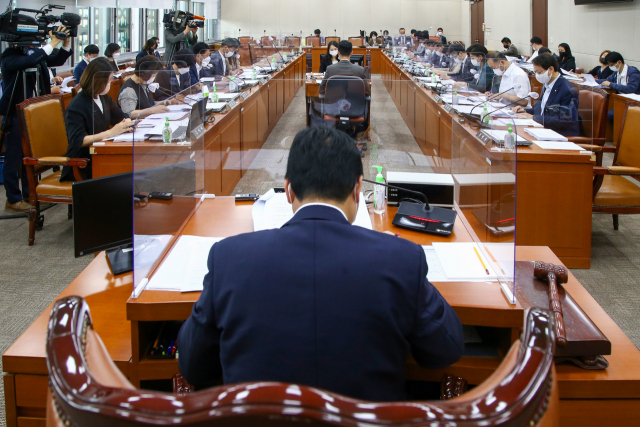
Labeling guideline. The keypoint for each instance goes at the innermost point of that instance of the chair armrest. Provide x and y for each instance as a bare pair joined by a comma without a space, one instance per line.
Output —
623,170
608,149
589,147
56,161
584,140
599,170
368,98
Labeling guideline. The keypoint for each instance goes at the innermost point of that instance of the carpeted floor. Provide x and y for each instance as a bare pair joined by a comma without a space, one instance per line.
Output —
32,277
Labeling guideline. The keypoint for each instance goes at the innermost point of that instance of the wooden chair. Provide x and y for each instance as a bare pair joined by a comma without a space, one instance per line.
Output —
332,39
87,389
244,41
356,41
44,143
292,41
612,192
313,41
594,106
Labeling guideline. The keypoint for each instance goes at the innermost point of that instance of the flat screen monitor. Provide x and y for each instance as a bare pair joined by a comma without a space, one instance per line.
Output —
357,59
102,213
583,2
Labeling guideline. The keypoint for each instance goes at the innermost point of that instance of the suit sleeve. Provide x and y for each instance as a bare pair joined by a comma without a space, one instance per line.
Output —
437,340
77,73
323,84
613,78
632,84
193,74
21,62
199,337
563,126
59,58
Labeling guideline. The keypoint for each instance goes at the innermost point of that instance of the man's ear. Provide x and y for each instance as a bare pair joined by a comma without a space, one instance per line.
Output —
291,197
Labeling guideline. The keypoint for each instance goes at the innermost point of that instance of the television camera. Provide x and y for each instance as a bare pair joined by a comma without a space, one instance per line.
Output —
178,20
22,29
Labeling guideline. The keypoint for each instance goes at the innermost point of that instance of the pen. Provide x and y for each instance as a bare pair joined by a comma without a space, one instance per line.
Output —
481,262
169,348
496,261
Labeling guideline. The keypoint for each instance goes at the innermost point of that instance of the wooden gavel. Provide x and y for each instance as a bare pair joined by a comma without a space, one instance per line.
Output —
555,275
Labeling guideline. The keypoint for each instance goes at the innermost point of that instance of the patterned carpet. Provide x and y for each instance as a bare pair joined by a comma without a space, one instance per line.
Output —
32,277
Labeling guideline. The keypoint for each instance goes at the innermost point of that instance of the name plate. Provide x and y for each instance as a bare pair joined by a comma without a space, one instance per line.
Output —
232,104
268,76
484,138
448,108
263,81
437,98
244,95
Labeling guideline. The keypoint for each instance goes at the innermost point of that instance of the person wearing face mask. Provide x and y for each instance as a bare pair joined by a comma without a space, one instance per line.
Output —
156,53
466,71
201,68
403,39
536,44
624,79
483,78
92,115
112,52
440,34
233,61
219,59
149,48
566,61
386,37
436,56
602,71
374,40
331,57
136,97
90,53
515,80
326,286
421,45
175,78
509,48
557,108
176,40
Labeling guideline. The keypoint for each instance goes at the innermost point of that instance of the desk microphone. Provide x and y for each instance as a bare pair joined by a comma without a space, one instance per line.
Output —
266,55
532,95
479,104
274,45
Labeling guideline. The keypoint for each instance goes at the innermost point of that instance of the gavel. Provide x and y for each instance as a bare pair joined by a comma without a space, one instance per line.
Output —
555,275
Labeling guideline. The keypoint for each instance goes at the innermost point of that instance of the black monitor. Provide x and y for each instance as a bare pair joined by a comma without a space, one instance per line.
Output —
102,213
357,59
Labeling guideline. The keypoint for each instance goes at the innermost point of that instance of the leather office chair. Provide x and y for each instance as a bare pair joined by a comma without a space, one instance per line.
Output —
292,41
313,41
332,39
244,41
87,389
44,147
267,42
612,192
357,41
593,109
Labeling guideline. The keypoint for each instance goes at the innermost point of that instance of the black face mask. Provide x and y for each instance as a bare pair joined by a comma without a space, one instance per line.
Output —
602,61
562,54
505,46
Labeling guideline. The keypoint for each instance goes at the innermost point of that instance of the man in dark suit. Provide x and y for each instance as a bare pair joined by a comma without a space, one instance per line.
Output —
319,302
201,68
557,108
345,68
440,34
91,52
403,39
219,59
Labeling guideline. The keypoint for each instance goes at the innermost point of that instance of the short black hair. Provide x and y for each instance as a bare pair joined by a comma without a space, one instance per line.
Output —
505,40
543,50
373,34
496,56
323,163
430,42
536,40
184,55
413,31
614,58
91,49
567,50
200,47
477,50
401,28
546,61
156,38
230,42
316,31
440,28
111,49
456,48
147,66
345,48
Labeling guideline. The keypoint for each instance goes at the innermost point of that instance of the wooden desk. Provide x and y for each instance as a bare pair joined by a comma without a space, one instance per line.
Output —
554,187
374,53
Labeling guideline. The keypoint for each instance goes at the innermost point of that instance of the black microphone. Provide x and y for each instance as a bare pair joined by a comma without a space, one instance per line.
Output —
265,55
426,202
532,95
479,104
274,46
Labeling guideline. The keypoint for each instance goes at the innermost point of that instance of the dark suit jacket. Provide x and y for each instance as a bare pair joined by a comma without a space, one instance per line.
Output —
568,64
77,72
512,51
218,66
169,83
465,74
601,74
443,40
563,94
14,60
485,80
344,68
403,40
633,81
195,76
319,302
325,62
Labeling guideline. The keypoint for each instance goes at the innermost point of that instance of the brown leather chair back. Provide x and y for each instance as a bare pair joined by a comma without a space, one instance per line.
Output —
331,39
594,106
356,41
244,41
40,140
313,41
523,393
628,153
292,41
266,42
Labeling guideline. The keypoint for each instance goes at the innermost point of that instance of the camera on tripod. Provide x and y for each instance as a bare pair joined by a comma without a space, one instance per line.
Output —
178,20
19,28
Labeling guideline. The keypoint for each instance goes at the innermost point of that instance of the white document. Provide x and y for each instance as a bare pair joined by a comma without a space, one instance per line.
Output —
633,96
67,89
207,79
589,80
435,273
545,134
567,75
498,135
174,125
519,122
66,80
512,58
557,145
215,106
460,262
171,115
223,96
181,107
185,266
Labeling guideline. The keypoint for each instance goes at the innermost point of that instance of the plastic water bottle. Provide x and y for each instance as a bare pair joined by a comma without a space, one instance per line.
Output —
215,92
255,77
167,133
379,193
273,62
510,138
284,56
485,115
205,92
454,98
233,86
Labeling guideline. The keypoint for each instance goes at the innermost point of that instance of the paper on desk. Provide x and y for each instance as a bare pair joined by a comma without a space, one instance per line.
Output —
66,81
435,272
174,125
171,115
545,134
498,135
633,96
228,95
589,80
460,262
519,122
181,107
568,75
512,58
185,266
66,89
557,145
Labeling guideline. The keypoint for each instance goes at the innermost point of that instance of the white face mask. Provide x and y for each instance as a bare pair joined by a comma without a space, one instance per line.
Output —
458,60
475,62
614,68
333,52
439,33
183,70
115,55
150,80
543,77
88,59
428,51
205,61
498,71
229,54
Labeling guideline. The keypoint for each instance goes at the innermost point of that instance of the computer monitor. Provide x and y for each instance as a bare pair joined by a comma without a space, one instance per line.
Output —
357,59
102,213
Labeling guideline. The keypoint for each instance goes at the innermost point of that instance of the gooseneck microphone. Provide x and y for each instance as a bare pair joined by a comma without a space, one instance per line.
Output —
479,104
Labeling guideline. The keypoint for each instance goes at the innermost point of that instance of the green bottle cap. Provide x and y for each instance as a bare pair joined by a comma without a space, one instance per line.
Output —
379,177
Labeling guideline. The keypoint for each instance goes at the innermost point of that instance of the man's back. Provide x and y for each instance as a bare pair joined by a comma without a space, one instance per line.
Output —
344,68
318,302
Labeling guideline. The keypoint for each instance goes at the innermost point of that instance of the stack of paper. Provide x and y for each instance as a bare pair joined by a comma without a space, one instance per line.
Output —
171,115
589,80
558,145
498,135
519,122
568,75
463,262
545,134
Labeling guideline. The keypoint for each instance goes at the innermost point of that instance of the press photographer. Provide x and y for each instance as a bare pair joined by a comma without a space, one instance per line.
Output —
25,74
180,32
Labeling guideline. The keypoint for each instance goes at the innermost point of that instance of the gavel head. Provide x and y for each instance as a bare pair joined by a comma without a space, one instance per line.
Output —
541,271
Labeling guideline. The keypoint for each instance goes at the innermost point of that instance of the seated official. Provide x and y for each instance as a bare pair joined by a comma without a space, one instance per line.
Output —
483,79
509,48
436,56
149,48
233,61
386,37
112,52
421,45
345,68
135,97
331,56
92,115
602,71
317,33
536,44
467,71
175,78
515,80
566,61
557,108
440,34
202,68
156,53
403,40
219,59
374,40
90,53
624,79
336,306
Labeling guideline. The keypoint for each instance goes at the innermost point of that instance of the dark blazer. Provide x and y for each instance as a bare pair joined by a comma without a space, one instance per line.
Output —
142,54
512,51
77,72
345,68
600,74
568,64
403,40
13,60
195,76
633,81
83,117
563,94
443,40
319,302
485,81
465,74
169,83
326,62
218,66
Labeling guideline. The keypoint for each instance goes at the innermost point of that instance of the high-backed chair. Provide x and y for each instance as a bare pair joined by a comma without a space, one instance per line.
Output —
612,192
87,389
356,41
313,41
292,41
594,106
268,41
331,39
44,147
244,41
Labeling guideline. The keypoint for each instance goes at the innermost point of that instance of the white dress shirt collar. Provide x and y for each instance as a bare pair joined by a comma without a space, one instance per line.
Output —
324,204
622,76
547,93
